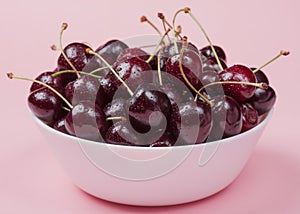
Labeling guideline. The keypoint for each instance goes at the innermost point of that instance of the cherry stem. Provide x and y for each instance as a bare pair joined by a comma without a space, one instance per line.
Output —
188,10
65,108
144,19
174,31
184,76
157,46
81,72
261,85
164,22
64,26
116,118
90,51
281,53
12,76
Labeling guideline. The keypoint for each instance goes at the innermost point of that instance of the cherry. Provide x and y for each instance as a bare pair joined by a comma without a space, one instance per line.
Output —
240,73
76,54
164,141
59,125
85,88
112,49
132,52
154,63
121,133
210,63
260,76
148,107
116,108
87,120
249,116
208,52
191,121
170,50
97,66
191,65
133,71
45,104
263,99
108,88
226,116
47,78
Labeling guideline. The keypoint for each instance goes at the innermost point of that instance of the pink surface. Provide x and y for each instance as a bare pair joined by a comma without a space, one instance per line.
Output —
32,181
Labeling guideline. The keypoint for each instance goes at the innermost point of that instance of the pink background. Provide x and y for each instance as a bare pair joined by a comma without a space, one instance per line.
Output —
251,32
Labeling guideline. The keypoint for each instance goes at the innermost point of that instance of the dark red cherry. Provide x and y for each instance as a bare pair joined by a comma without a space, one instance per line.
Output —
263,100
226,116
45,104
260,76
95,63
249,116
148,107
46,77
191,121
239,73
87,120
191,64
85,88
121,133
116,108
59,125
164,141
154,63
133,71
210,63
207,52
170,50
76,53
112,49
132,52
108,88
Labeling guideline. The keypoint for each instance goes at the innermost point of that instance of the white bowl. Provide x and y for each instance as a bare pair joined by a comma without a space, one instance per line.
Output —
152,176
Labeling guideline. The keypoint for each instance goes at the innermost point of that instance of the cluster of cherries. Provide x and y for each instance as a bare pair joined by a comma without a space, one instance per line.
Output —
177,95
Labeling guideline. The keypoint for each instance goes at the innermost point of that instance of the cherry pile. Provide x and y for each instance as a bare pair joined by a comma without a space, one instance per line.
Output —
177,95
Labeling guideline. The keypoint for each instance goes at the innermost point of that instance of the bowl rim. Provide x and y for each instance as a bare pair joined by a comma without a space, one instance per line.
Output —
264,118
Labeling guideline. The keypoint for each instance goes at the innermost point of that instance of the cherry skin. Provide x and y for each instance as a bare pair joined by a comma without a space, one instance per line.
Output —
112,49
132,52
121,133
45,104
207,52
85,88
261,76
263,100
249,116
154,63
170,50
76,53
143,108
87,120
96,63
191,119
59,125
164,141
108,88
210,63
46,77
116,108
191,64
226,116
239,73
133,71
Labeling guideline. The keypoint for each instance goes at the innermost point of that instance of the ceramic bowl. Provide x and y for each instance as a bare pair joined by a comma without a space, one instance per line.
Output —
152,176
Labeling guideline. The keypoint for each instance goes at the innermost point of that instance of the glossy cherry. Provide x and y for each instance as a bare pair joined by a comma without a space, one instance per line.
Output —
210,63
191,122
132,52
261,76
148,107
46,77
191,64
112,49
263,99
207,52
170,50
249,116
59,125
226,116
87,120
239,73
116,108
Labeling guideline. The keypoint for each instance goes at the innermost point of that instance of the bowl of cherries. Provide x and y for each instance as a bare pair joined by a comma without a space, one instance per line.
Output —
151,120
